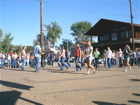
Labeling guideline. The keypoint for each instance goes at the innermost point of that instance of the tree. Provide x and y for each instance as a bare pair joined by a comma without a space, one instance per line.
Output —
53,32
5,41
66,43
79,29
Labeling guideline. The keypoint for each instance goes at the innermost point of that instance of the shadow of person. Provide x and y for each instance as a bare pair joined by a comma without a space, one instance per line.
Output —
11,97
134,79
105,103
15,85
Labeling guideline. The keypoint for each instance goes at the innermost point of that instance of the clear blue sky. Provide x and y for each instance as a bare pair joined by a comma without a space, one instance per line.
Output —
21,18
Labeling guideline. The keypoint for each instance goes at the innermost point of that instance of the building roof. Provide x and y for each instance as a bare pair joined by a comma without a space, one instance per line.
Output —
103,26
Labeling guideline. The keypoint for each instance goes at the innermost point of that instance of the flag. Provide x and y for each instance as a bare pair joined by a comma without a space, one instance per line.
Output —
47,41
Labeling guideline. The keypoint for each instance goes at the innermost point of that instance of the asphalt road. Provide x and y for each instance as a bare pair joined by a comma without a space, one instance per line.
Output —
54,87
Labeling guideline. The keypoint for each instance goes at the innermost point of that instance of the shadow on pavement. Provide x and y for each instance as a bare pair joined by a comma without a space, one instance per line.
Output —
11,97
15,85
134,79
105,103
63,71
134,102
136,94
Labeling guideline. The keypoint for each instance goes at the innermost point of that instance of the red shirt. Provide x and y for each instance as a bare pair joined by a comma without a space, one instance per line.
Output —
77,52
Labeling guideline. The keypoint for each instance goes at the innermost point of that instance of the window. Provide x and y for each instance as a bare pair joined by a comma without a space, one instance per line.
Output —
104,37
114,36
126,34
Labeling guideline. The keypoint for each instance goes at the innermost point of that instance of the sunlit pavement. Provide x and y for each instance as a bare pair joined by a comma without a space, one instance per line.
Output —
55,87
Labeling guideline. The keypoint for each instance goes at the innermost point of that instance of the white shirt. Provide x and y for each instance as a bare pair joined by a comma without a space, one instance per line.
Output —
9,57
113,55
88,50
109,54
120,54
14,56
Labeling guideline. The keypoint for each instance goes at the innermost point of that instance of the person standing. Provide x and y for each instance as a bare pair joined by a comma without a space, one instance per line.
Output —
37,52
109,57
96,57
77,57
59,58
68,57
127,54
134,57
2,60
9,61
88,53
113,59
105,58
14,60
120,55
138,56
52,58
63,57
23,57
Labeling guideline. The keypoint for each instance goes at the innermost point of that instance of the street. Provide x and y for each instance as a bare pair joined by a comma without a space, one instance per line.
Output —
55,87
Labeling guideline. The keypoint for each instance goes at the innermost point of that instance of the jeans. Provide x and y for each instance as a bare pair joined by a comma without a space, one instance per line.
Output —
27,62
14,63
120,62
68,61
2,63
52,62
105,62
82,62
109,62
23,63
135,61
37,60
9,63
59,60
77,64
42,63
113,61
96,62
63,64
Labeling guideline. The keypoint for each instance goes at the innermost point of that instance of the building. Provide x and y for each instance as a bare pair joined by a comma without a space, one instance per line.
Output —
114,34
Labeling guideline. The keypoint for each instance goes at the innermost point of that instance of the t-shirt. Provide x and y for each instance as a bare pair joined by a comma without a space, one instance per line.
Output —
125,53
37,51
77,52
88,50
96,54
63,53
120,54
109,54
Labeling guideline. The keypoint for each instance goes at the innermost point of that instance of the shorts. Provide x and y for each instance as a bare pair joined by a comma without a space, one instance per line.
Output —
89,58
126,58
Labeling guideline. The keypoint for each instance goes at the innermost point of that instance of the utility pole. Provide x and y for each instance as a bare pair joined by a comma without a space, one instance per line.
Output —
132,27
41,31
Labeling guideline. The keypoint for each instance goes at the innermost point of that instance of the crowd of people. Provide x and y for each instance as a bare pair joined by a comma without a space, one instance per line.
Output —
121,58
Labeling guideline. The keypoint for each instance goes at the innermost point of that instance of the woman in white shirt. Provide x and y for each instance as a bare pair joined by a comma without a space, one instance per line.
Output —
120,53
88,54
9,60
109,57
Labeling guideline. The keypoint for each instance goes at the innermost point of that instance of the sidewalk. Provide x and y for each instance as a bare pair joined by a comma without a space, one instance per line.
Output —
54,87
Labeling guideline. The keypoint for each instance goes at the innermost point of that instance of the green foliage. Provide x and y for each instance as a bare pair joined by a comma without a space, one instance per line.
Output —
79,29
53,32
5,41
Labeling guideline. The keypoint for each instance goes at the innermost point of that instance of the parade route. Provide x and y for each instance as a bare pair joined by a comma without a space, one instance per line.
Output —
55,87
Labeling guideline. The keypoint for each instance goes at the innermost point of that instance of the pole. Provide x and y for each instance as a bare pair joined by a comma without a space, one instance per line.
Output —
132,27
41,31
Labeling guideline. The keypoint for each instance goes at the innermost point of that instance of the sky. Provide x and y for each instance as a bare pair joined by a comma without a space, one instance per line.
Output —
21,18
